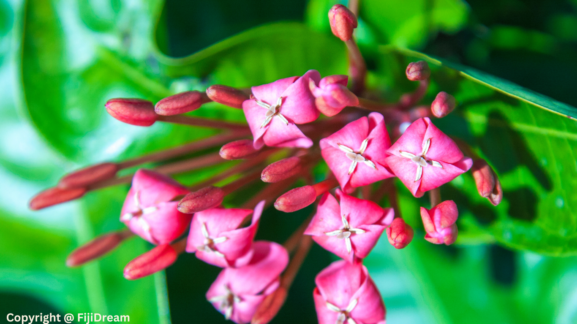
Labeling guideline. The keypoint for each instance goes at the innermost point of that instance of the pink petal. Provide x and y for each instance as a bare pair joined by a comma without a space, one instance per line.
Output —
406,170
335,245
255,116
152,188
299,103
270,92
337,162
379,141
324,314
352,135
364,243
167,223
370,307
359,211
365,175
217,221
434,177
279,134
443,148
339,282
334,79
445,214
412,139
327,217
427,221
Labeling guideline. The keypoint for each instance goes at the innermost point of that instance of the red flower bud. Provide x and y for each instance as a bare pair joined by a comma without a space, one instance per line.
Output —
443,104
484,177
497,194
270,306
282,170
400,234
136,112
237,150
343,22
181,103
96,248
88,176
418,71
55,196
228,96
200,200
296,199
157,259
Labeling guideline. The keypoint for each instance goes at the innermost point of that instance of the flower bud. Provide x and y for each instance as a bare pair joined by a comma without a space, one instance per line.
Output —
136,112
96,248
443,104
237,150
227,96
200,200
157,259
55,196
180,103
270,306
497,194
418,71
88,176
484,177
332,95
439,223
343,22
282,170
400,234
296,199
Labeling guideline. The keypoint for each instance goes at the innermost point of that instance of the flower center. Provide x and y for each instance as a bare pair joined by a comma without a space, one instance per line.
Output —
357,157
344,315
420,160
272,111
209,242
140,212
226,302
345,233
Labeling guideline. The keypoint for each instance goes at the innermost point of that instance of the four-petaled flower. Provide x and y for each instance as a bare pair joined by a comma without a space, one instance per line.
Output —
276,108
237,293
332,94
370,137
346,294
149,210
439,222
424,158
350,229
216,239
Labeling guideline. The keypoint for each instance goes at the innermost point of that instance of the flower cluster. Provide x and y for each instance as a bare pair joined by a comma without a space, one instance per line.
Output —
352,138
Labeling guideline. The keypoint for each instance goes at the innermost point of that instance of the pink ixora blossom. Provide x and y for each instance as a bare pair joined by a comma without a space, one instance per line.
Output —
332,94
276,108
150,208
237,293
424,158
439,223
346,294
350,229
356,153
216,239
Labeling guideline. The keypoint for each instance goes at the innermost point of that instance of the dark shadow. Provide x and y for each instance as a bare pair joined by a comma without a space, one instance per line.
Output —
502,265
483,213
523,204
22,304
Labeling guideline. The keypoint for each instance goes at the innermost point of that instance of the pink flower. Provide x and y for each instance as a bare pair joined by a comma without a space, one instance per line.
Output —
216,239
424,158
276,108
332,94
346,294
356,153
439,223
351,229
149,209
237,293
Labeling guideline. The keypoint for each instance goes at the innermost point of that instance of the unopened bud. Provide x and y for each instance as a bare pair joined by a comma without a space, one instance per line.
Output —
497,194
96,248
88,176
296,199
237,150
282,170
270,306
227,96
136,112
443,104
181,103
200,200
343,22
157,259
484,177
400,234
55,196
439,222
418,71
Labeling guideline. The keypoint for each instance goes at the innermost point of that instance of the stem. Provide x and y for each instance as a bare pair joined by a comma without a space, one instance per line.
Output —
241,182
357,67
270,192
293,241
354,7
410,99
179,246
394,200
296,261
435,196
201,122
325,185
375,106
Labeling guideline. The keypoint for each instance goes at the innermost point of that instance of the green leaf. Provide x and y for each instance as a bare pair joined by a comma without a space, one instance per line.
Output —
530,140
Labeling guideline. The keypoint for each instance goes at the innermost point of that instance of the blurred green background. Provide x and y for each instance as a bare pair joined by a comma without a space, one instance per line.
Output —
60,60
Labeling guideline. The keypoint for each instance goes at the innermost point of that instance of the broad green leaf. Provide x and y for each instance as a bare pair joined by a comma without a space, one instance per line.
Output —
530,141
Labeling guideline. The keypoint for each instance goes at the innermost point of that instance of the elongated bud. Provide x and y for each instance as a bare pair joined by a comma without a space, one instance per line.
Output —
343,22
227,96
270,306
282,170
443,104
299,198
136,112
484,177
200,200
96,248
418,71
181,103
237,150
88,176
157,259
497,194
400,234
55,196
